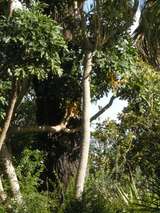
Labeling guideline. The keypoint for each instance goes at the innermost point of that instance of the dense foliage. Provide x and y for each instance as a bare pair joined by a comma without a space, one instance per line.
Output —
43,51
30,43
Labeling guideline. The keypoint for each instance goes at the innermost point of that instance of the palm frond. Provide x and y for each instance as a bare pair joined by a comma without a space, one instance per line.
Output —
147,34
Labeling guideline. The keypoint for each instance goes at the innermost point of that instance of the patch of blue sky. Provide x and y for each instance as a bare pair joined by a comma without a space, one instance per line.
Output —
88,5
111,113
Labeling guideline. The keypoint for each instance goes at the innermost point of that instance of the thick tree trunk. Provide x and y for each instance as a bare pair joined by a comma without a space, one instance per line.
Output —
86,126
3,195
61,148
11,173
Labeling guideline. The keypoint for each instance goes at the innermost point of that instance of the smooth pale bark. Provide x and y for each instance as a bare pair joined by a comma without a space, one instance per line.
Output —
41,129
86,126
3,195
11,173
10,7
5,155
9,115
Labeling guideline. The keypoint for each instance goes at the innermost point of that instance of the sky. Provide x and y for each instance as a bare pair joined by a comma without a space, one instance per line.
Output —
118,105
112,113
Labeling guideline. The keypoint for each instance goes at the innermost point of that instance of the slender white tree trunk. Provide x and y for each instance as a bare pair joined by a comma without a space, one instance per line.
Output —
11,173
5,155
3,195
9,114
86,126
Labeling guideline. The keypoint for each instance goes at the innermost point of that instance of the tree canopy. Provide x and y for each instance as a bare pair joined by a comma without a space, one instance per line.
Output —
56,58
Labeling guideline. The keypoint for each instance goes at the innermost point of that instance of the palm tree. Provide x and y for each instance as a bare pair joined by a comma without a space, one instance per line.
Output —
147,34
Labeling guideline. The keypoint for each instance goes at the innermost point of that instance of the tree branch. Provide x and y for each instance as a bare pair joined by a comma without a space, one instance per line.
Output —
58,128
9,114
41,129
100,112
